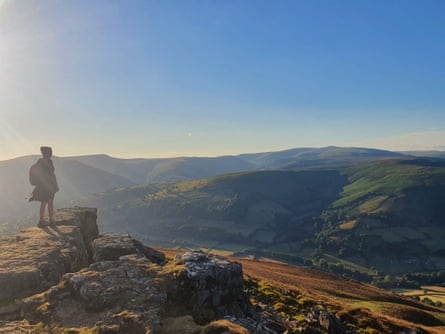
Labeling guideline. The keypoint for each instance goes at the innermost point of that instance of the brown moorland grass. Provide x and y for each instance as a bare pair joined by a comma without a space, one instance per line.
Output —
361,304
386,308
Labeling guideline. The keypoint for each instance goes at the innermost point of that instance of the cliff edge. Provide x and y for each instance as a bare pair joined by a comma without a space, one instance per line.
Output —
36,258
67,278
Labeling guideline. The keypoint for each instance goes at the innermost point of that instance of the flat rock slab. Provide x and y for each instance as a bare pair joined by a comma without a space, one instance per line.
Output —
36,258
112,246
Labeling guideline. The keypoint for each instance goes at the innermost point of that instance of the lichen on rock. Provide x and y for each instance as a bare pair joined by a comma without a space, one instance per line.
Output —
69,279
36,258
104,294
216,286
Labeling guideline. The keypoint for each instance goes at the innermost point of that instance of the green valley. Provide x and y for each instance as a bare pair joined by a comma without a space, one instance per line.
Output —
366,221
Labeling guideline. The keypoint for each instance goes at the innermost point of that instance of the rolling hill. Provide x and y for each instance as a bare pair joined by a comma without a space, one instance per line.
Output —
145,171
390,216
318,157
275,219
385,215
246,206
83,175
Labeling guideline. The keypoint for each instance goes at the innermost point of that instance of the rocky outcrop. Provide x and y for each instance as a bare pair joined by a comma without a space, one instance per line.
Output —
108,296
35,259
135,295
85,219
328,322
215,286
67,278
111,246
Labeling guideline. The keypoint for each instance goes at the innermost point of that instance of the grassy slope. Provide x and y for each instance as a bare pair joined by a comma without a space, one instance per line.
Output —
391,216
390,178
293,291
243,208
362,306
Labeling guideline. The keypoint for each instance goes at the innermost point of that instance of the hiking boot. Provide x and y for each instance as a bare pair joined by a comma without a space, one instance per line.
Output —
42,223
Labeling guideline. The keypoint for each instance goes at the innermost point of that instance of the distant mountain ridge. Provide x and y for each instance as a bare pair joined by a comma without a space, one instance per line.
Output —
83,175
317,157
144,171
428,154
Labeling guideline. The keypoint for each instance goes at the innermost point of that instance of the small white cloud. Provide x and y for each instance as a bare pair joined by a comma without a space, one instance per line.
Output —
189,134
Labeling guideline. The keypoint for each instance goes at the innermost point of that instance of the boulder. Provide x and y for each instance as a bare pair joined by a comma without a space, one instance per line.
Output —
215,286
328,322
111,246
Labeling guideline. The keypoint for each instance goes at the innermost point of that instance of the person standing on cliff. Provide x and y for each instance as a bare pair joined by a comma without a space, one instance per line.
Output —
42,176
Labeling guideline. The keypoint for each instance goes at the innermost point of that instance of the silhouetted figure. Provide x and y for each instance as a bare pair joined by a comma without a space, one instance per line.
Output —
42,176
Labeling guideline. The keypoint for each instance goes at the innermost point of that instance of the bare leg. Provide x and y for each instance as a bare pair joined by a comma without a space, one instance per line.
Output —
42,210
51,210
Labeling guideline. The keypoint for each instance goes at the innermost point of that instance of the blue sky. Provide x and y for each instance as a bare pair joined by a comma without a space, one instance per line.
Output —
168,78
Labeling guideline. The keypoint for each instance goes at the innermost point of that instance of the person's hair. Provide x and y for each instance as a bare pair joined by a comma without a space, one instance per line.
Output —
46,151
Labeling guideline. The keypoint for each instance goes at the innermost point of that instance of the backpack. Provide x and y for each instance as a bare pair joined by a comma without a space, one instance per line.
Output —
34,174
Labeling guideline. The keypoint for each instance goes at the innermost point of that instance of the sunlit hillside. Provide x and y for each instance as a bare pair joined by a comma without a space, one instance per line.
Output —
83,175
294,291
373,218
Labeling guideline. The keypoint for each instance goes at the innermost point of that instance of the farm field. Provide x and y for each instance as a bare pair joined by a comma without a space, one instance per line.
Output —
434,293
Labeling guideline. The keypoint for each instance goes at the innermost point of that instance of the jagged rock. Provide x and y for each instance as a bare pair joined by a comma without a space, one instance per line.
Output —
85,219
36,258
111,246
215,286
150,253
129,289
110,296
328,322
121,297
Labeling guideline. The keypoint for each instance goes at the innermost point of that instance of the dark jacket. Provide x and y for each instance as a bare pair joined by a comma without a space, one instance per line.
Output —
46,182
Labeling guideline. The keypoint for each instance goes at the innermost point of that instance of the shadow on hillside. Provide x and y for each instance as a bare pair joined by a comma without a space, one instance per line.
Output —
425,162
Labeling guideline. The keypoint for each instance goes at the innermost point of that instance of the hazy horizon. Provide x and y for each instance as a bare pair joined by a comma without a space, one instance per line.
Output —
211,78
167,156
